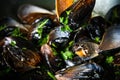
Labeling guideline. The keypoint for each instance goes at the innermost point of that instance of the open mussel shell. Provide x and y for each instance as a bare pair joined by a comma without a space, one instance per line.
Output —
8,26
29,13
9,21
79,13
96,27
85,71
20,54
59,37
53,60
61,8
86,50
111,38
113,15
40,30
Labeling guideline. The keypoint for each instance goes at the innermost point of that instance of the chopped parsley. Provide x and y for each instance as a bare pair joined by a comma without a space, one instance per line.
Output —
97,39
109,59
51,75
13,43
40,27
2,27
16,32
43,40
67,54
64,21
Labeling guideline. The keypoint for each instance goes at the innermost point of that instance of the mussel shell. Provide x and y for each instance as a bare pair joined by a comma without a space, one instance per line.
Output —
9,25
82,35
7,31
80,13
9,21
34,35
86,50
54,62
86,71
59,37
111,38
35,74
29,13
22,56
113,15
96,27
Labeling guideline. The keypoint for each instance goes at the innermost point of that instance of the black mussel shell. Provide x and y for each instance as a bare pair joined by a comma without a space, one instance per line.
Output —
35,74
82,35
40,29
111,38
9,21
96,27
54,62
93,31
58,37
86,71
20,54
9,26
113,15
80,13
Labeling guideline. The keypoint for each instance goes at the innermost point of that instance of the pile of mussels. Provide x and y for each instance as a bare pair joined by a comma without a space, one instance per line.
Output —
68,45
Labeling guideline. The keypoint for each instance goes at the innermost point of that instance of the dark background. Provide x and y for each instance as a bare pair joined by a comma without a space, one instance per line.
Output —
9,7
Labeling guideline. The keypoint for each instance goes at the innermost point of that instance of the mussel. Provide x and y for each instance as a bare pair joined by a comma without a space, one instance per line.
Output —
68,45
86,71
20,54
40,30
113,15
52,58
78,13
59,37
86,50
111,38
9,27
29,13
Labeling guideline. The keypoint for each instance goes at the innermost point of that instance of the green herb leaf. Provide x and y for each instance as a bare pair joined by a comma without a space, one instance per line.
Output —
13,43
40,27
16,32
64,21
51,75
109,59
2,27
43,40
97,39
66,28
67,54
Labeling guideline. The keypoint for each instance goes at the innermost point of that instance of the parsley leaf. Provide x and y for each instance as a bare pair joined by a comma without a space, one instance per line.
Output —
2,27
51,75
109,59
40,27
13,43
67,54
64,21
16,32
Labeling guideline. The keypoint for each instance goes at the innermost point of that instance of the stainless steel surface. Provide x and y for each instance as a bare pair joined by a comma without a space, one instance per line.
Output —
103,6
